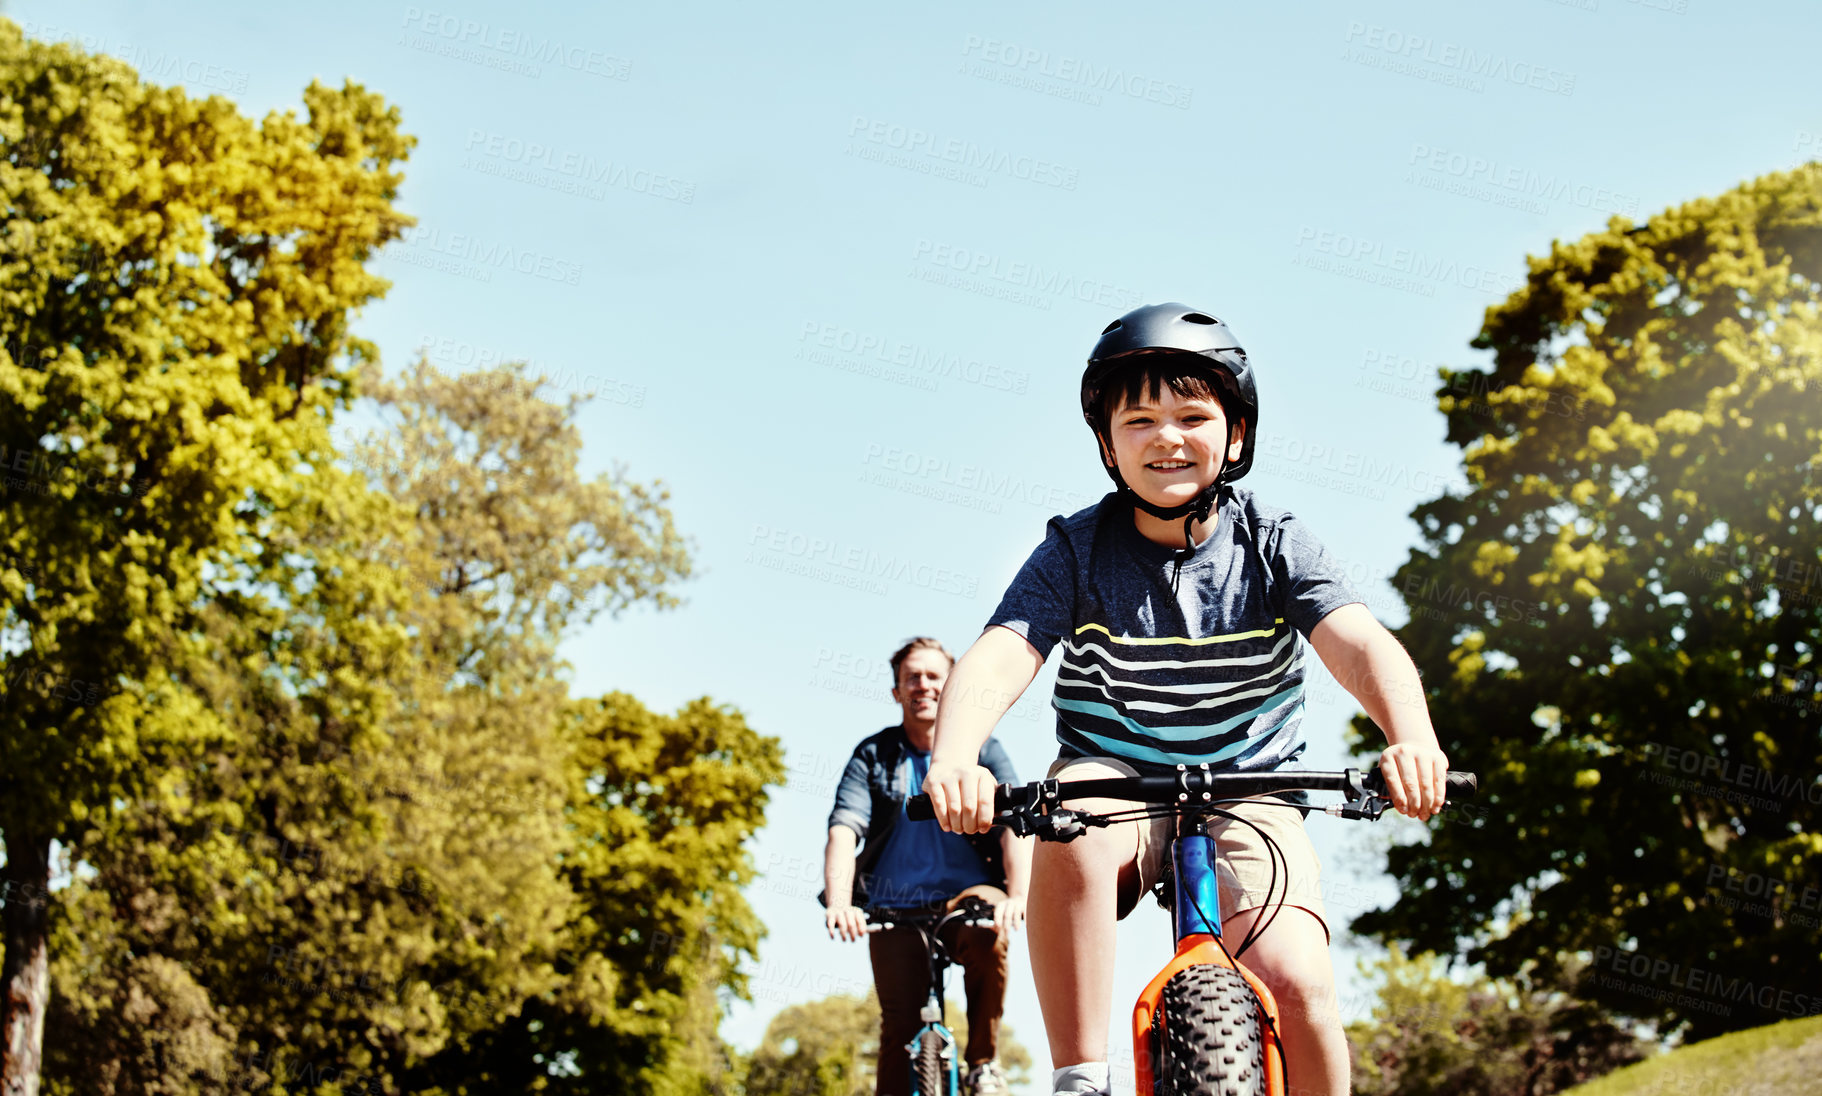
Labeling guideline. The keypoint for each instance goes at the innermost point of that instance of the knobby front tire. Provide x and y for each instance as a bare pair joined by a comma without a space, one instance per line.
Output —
929,1069
1210,1040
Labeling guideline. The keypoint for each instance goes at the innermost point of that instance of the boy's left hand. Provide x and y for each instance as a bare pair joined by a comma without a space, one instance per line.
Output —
1416,777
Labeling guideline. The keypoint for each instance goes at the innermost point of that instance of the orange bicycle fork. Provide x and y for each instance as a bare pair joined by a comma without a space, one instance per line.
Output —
1196,910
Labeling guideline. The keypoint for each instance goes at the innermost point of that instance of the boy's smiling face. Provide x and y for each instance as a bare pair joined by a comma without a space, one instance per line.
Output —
1168,448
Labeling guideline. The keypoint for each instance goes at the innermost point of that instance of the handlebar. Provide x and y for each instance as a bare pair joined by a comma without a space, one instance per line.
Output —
1193,788
888,926
972,911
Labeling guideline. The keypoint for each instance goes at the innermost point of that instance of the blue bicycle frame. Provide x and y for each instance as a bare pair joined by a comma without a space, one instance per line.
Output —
932,1016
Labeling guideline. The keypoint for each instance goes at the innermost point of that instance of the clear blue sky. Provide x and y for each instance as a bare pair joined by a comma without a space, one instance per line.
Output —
834,268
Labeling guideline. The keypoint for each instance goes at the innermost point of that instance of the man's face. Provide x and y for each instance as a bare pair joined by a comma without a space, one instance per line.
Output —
920,684
1169,449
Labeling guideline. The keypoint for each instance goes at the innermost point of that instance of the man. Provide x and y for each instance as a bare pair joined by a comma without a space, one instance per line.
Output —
916,866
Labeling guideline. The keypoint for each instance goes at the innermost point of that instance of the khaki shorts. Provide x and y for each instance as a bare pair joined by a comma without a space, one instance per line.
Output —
1242,866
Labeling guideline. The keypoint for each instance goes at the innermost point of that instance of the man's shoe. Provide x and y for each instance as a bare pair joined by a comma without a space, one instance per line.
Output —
985,1079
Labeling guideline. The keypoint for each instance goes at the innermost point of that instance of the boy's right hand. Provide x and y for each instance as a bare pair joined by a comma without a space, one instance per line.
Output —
962,796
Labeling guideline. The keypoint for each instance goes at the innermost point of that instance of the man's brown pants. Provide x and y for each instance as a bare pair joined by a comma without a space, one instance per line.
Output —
901,974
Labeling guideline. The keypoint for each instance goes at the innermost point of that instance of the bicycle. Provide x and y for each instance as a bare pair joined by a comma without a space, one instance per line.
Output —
935,1070
1207,1022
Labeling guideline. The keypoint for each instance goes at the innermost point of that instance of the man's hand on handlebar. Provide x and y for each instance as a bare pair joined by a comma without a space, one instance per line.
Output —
1415,778
1009,916
962,796
845,922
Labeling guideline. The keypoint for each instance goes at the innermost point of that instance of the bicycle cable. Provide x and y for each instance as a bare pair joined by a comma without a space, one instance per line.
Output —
1274,854
1234,957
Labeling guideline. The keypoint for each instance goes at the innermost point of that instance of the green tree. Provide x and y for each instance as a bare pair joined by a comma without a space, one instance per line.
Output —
1430,1035
175,287
1616,621
388,898
819,1048
660,809
830,1047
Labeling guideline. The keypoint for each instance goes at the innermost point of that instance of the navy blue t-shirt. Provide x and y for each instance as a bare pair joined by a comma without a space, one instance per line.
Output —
1211,671
922,863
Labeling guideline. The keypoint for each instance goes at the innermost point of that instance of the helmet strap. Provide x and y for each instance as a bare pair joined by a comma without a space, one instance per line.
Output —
1196,509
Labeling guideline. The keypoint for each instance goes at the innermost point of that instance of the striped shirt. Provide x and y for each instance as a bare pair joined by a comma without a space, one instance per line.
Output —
1210,672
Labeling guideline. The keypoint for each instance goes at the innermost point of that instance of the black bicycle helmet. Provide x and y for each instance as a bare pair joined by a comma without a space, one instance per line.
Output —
1178,327
1174,327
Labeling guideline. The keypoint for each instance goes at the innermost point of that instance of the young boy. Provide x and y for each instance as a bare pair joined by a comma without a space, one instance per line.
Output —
1179,600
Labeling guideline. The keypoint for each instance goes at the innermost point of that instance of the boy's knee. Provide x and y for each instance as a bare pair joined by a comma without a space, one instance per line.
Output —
1299,975
1308,987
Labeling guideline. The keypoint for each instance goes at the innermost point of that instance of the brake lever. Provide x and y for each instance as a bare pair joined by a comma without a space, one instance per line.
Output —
1360,802
1054,825
1066,825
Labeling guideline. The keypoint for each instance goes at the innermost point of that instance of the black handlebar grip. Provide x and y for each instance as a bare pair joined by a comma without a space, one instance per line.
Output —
1460,785
918,808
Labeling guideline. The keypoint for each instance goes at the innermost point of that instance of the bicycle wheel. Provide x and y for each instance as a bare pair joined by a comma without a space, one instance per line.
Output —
1209,1038
930,1068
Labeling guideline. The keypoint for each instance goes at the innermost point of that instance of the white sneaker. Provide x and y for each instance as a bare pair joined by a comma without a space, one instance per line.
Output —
1084,1079
985,1079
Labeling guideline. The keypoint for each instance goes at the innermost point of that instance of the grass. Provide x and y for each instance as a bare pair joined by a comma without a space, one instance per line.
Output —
1779,1060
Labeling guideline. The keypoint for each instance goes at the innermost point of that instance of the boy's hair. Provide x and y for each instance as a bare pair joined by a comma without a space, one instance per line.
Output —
1189,376
921,643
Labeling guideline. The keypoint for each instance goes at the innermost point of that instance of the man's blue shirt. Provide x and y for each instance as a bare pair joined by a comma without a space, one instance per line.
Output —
923,863
870,800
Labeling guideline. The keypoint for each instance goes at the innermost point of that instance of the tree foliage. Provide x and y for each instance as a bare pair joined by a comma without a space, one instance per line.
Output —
827,1047
413,848
1430,1035
175,288
659,812
1617,621
830,1047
